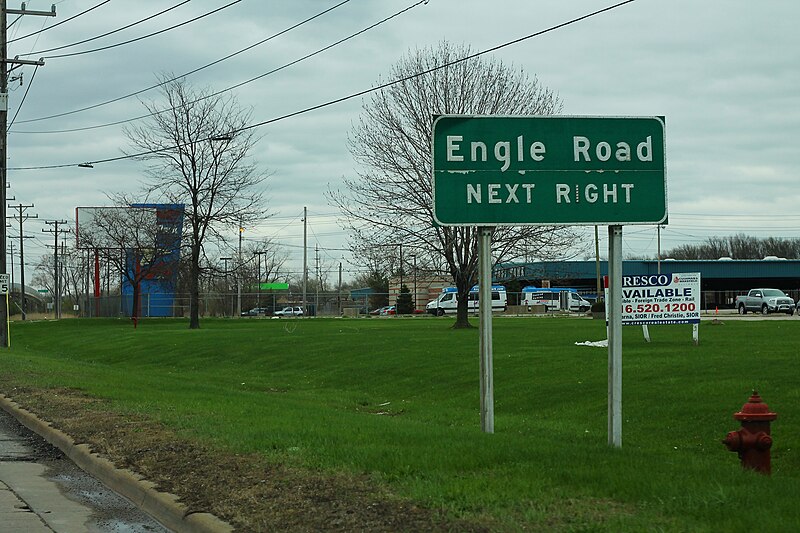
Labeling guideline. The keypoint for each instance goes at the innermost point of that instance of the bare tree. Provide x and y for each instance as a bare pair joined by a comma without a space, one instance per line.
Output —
197,153
133,242
739,246
389,201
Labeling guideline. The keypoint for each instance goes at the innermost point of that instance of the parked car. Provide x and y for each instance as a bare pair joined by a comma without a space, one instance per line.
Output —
388,310
256,311
380,310
289,311
766,301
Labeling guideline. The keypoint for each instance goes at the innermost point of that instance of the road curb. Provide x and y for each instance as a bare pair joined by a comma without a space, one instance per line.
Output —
162,506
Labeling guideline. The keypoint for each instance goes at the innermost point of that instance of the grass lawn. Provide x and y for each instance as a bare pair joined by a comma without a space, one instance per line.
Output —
396,401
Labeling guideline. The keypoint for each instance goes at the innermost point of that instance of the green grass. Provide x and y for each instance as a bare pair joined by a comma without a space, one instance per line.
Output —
398,399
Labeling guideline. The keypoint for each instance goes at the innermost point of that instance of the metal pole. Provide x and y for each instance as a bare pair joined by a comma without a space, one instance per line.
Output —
615,336
258,280
485,310
400,288
597,263
305,257
415,282
659,249
239,275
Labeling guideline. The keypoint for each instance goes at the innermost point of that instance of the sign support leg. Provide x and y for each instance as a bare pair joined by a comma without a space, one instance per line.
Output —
485,312
615,336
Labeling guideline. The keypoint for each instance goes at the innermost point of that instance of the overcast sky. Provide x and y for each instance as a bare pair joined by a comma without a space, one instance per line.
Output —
725,74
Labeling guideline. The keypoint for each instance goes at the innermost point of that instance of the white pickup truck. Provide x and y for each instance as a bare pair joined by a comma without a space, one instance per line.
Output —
766,301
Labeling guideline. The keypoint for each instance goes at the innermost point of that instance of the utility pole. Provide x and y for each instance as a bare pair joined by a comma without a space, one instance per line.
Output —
22,217
11,270
305,257
4,71
319,278
239,275
57,282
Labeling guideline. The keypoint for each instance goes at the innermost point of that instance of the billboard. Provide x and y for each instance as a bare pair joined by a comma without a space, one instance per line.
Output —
660,299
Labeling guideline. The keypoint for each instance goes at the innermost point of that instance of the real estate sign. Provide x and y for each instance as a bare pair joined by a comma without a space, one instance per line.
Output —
541,170
661,299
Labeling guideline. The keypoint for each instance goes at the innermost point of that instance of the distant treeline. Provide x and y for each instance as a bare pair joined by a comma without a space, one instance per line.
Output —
737,247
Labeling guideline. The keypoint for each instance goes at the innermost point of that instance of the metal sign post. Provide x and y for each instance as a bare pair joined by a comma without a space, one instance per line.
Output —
485,311
615,336
490,171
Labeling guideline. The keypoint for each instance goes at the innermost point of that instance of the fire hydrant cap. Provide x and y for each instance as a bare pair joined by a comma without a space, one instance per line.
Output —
755,410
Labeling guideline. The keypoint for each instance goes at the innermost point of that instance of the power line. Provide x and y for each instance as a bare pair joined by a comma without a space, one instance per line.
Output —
232,87
28,88
159,32
343,98
117,99
110,32
73,17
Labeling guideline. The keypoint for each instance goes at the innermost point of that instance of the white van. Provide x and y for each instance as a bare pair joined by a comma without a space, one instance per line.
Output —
447,302
555,299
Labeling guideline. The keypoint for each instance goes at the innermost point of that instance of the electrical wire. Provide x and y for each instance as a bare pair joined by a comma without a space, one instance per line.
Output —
95,106
241,84
110,32
13,22
159,32
343,98
73,17
21,102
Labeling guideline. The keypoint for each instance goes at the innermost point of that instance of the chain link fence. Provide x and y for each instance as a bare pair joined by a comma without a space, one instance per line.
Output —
324,304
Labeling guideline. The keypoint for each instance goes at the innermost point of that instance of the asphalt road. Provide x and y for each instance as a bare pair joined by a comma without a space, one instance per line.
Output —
41,490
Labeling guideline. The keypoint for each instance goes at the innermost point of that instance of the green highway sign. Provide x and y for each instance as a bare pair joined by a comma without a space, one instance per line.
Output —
541,170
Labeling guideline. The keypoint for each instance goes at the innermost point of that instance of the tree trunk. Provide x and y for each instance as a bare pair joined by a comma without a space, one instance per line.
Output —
135,304
462,310
135,289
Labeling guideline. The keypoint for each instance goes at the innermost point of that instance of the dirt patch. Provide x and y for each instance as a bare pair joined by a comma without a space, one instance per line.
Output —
247,491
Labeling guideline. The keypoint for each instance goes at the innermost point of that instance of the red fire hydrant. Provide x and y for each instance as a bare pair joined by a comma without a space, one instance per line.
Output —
753,441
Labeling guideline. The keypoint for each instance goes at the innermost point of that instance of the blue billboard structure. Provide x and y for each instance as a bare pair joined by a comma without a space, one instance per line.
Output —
157,287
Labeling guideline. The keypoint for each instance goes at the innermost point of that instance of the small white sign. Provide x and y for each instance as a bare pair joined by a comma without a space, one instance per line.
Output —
5,283
661,299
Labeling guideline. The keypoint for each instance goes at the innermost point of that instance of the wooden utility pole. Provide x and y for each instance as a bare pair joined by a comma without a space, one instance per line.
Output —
56,270
22,217
4,71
